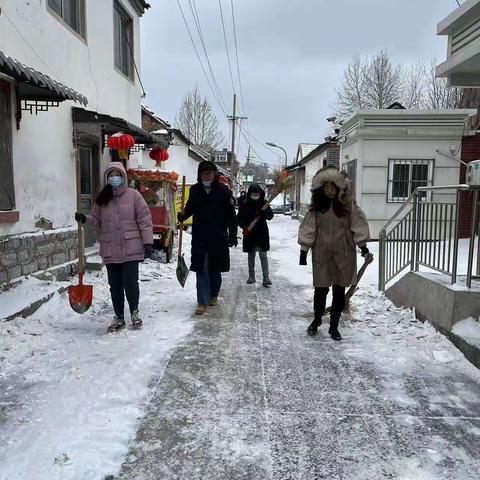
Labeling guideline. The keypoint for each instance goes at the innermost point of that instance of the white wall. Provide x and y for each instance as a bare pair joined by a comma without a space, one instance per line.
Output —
372,170
44,166
179,161
311,168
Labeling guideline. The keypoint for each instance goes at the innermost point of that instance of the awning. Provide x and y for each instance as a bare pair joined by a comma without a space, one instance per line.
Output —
111,125
33,85
294,167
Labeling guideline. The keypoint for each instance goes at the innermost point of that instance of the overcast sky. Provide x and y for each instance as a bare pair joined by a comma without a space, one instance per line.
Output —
292,56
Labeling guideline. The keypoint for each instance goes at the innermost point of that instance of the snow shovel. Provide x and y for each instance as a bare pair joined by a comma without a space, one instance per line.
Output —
80,296
354,288
182,269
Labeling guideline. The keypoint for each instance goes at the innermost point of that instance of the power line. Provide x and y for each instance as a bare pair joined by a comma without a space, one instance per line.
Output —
249,144
196,18
144,93
250,134
199,59
236,55
226,45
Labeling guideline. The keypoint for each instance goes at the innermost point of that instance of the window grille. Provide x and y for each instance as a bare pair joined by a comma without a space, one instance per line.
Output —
406,175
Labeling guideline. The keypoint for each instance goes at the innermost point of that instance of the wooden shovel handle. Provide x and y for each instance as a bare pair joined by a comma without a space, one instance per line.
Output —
80,235
180,233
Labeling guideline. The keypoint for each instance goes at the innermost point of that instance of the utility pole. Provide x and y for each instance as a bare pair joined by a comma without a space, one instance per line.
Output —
234,119
234,124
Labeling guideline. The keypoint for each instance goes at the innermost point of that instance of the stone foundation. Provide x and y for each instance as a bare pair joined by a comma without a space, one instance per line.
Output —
30,253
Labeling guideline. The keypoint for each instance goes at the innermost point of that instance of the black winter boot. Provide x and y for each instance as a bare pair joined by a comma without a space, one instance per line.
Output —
313,328
333,330
334,333
338,305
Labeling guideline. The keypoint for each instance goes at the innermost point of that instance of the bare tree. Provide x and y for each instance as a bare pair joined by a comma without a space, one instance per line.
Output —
438,94
352,95
414,87
369,83
471,99
384,81
198,122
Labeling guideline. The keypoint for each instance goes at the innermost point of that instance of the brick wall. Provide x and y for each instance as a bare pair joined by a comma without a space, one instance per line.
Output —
31,253
333,155
470,152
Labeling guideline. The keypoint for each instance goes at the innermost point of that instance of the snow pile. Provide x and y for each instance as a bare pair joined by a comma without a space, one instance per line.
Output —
71,395
469,330
27,292
372,316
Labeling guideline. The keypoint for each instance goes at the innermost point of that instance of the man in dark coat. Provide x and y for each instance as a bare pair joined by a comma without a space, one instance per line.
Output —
214,230
241,198
258,239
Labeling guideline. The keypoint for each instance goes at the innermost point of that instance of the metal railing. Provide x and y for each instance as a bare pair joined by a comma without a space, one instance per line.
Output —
425,233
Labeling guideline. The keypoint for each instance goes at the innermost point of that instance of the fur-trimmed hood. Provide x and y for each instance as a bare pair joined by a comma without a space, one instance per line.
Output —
331,174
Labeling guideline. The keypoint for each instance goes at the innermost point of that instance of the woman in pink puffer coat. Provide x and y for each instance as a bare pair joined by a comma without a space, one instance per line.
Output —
124,225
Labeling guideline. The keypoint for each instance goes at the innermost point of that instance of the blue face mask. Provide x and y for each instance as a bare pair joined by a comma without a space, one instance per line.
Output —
115,181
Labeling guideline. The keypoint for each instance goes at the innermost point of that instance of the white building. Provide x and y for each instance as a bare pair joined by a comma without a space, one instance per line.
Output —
462,26
310,159
184,157
388,153
87,51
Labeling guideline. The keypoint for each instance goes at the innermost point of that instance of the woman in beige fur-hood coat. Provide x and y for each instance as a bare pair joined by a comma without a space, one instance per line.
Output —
332,228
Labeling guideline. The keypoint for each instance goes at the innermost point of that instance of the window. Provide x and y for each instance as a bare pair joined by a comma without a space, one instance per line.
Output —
123,41
351,169
7,190
72,12
406,175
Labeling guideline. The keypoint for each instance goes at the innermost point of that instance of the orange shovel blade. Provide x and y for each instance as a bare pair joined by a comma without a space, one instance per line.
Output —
80,297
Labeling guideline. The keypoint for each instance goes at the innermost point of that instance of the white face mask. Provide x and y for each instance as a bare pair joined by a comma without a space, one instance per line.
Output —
207,184
255,197
115,181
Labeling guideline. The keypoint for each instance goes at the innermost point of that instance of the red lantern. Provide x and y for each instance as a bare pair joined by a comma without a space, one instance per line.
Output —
159,155
121,142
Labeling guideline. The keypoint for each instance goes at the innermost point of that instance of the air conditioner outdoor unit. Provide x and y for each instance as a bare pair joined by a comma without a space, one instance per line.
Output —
473,173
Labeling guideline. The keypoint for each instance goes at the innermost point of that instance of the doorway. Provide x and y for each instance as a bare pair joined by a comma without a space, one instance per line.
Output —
89,185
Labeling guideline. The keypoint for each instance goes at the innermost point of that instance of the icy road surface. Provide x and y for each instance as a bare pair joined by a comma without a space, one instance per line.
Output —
249,396
241,393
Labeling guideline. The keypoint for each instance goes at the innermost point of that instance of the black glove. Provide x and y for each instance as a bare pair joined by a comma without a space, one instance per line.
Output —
180,217
303,257
80,217
147,250
365,251
232,239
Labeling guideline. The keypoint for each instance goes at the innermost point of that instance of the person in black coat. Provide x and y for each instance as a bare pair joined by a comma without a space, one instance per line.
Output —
241,198
258,239
214,230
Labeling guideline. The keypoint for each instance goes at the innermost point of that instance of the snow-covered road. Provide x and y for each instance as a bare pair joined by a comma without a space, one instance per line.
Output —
245,393
70,394
249,396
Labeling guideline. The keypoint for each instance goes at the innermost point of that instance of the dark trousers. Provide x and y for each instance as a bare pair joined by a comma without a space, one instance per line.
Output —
123,281
208,284
338,304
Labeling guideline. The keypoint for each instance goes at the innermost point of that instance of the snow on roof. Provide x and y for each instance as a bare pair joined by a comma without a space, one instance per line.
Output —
304,149
150,112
